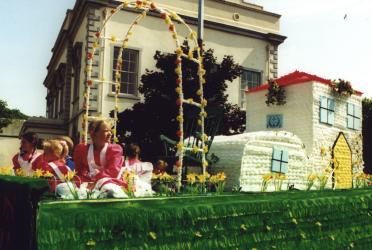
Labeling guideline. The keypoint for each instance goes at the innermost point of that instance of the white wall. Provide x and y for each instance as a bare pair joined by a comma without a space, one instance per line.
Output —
152,34
297,112
326,135
9,142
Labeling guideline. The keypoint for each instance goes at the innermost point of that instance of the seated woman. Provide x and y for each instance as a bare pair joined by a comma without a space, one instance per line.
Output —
100,161
133,163
28,159
54,155
142,170
70,144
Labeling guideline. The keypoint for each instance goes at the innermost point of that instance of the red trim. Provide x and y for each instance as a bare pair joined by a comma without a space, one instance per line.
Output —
296,77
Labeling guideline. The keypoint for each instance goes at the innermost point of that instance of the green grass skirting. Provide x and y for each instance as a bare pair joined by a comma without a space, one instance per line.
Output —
19,198
287,220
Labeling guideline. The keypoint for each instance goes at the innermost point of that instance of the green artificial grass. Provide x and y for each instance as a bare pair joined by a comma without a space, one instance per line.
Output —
19,198
327,219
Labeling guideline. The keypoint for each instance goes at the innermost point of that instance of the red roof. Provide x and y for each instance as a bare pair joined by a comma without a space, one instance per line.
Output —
296,77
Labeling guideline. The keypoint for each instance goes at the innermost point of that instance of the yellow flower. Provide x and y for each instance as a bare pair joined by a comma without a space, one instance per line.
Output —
191,178
267,177
204,102
48,174
205,164
152,235
198,234
70,175
113,38
91,243
195,149
202,178
199,92
20,172
180,146
38,173
312,177
178,90
179,51
6,171
206,149
165,177
221,176
180,118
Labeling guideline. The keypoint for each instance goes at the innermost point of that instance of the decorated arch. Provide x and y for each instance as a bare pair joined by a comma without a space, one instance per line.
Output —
170,18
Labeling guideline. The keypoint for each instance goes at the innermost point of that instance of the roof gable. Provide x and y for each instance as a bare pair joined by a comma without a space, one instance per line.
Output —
296,77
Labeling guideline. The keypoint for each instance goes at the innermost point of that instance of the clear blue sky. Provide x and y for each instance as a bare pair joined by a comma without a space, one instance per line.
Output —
321,40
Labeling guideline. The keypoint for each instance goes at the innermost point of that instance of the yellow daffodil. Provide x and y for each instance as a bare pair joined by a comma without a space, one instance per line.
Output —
47,174
38,173
198,234
152,235
6,170
20,172
70,175
202,178
267,177
312,177
191,178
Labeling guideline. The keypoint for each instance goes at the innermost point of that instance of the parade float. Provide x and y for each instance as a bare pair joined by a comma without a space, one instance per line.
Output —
202,216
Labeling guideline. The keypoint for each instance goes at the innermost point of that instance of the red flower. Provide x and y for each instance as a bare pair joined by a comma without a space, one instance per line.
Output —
179,133
178,164
97,34
139,2
113,11
171,27
178,81
178,102
152,6
89,82
89,55
178,61
163,15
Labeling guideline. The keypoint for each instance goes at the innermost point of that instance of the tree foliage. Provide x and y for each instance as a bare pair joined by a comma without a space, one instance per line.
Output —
7,114
367,134
156,115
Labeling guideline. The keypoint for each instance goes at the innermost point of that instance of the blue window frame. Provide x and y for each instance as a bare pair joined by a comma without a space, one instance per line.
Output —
274,121
353,116
279,162
327,110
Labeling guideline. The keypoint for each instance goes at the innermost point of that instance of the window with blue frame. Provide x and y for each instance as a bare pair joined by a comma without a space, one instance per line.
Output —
327,110
353,116
274,121
279,162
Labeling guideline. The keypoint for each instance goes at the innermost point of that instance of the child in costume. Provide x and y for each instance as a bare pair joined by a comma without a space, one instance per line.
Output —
28,159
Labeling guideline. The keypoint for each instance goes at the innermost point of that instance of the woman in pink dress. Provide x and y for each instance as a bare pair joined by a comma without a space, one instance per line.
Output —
100,161
28,159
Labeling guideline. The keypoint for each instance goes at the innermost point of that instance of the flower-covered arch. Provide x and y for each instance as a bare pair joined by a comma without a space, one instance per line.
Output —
169,17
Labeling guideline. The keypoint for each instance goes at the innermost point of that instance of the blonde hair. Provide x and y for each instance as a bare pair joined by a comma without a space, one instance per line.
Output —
95,125
58,148
68,140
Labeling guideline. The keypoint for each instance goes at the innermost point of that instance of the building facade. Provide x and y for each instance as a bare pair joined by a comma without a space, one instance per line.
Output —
313,112
232,27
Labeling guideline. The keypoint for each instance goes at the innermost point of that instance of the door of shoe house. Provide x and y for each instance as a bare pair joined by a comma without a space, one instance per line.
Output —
342,175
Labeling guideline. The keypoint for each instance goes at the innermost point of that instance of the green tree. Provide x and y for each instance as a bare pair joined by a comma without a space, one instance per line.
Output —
367,134
6,115
157,113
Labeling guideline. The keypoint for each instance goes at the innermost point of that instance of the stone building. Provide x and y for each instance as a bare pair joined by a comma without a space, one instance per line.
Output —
232,27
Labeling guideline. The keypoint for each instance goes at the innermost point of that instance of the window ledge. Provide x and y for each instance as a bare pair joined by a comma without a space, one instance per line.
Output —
125,96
